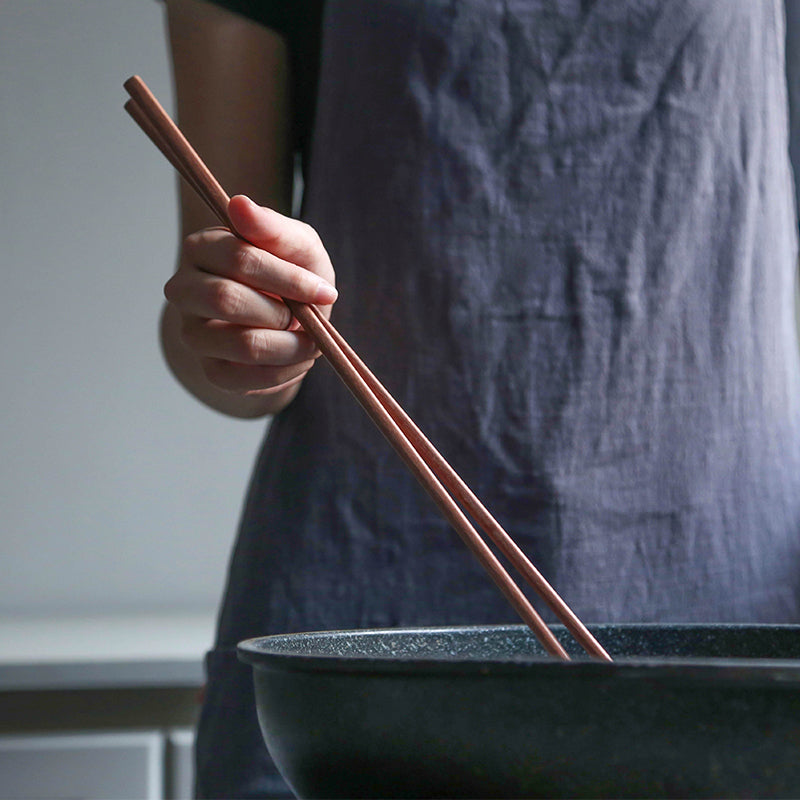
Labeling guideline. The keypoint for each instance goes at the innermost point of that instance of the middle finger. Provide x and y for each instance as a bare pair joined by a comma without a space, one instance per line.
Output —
209,296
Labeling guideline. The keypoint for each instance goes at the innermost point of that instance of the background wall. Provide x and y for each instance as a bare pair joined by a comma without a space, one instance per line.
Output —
118,492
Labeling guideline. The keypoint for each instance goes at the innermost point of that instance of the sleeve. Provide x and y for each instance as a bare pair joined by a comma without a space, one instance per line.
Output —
280,15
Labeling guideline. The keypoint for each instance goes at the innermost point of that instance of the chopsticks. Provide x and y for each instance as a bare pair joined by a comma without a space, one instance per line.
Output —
427,465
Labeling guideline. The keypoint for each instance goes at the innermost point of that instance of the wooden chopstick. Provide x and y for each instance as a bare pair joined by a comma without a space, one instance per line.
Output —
423,460
455,484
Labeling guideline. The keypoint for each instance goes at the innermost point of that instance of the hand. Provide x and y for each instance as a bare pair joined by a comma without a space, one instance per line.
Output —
227,292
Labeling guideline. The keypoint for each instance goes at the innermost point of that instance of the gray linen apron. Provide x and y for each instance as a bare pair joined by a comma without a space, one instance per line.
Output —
564,238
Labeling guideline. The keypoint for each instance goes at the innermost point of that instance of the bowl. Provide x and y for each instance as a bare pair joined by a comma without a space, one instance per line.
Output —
682,711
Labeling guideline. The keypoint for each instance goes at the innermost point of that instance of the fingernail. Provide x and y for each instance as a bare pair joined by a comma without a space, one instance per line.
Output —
243,198
326,294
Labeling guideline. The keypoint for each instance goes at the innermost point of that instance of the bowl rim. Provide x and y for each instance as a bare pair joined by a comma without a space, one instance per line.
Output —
269,653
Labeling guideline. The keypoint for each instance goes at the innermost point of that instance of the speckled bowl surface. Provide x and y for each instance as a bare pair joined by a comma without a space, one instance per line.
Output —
683,711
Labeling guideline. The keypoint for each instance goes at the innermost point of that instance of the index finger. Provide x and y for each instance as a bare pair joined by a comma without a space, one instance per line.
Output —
290,239
231,257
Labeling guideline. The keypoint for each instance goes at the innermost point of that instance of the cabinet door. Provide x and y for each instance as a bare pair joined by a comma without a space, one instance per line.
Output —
180,764
107,765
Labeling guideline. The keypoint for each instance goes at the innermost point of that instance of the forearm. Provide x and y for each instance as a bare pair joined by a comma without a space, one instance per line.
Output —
232,102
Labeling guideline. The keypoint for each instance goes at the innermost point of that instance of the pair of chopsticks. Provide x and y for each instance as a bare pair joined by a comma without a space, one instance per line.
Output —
423,460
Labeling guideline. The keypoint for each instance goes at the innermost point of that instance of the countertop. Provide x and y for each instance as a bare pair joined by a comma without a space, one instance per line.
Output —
104,651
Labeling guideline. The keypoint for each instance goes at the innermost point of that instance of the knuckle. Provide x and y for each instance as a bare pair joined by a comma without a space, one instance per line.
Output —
297,282
227,298
171,289
178,287
309,244
193,245
189,248
254,346
311,237
299,243
284,316
246,261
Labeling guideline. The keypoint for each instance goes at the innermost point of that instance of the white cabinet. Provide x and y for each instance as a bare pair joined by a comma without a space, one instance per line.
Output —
93,766
99,707
180,764
101,765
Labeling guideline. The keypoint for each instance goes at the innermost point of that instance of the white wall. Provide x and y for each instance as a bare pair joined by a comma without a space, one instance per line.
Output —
118,492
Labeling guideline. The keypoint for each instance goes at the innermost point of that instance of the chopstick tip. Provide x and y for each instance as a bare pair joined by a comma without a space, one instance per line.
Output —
133,82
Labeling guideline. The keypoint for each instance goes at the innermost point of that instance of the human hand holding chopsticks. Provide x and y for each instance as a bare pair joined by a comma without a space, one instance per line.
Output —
432,471
226,293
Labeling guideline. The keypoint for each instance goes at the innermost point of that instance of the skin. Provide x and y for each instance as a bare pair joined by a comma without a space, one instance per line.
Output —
225,334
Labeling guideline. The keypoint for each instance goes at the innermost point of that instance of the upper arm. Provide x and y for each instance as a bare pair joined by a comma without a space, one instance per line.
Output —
231,82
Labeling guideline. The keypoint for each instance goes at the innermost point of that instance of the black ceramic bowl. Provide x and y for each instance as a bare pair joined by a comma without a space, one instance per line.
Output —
683,711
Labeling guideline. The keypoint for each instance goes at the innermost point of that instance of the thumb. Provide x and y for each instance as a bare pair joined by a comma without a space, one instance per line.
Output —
289,239
250,220
285,237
